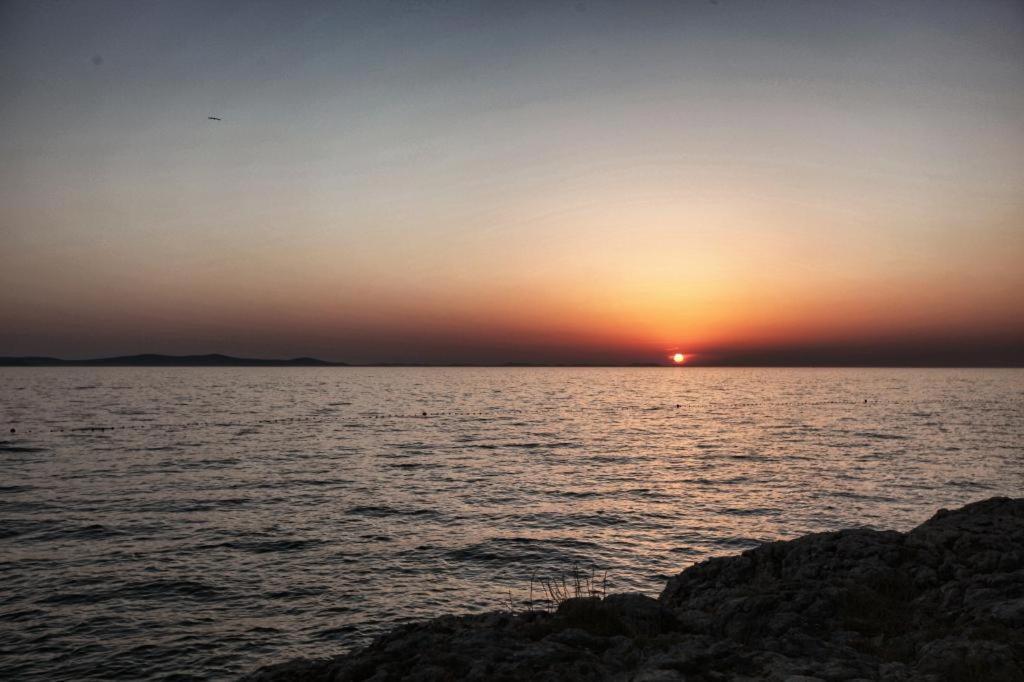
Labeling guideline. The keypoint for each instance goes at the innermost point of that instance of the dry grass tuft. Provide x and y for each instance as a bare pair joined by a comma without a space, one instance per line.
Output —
554,592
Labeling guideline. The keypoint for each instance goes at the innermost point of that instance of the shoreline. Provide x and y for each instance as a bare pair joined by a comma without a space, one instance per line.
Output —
944,601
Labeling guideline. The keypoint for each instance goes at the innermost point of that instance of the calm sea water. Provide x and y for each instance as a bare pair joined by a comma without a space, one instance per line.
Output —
169,523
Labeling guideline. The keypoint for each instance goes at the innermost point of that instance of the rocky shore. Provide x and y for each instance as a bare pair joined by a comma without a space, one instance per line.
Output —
942,602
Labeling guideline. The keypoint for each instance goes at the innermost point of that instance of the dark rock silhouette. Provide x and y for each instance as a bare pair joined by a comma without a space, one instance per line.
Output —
942,602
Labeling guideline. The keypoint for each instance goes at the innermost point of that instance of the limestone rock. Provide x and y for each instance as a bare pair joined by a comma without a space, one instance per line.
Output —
942,602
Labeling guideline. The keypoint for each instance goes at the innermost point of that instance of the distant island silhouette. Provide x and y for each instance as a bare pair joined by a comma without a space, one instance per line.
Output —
220,360
156,360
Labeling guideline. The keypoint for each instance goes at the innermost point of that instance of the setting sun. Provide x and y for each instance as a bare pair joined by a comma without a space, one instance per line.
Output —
678,358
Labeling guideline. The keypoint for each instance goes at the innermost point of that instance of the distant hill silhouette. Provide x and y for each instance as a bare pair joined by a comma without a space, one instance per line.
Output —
219,360
155,360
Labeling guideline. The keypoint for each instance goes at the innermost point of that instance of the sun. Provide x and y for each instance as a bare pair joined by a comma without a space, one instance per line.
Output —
678,358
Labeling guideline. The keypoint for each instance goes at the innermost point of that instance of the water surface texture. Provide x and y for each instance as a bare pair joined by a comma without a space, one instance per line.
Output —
196,522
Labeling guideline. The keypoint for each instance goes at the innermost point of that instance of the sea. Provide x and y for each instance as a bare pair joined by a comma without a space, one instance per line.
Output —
196,523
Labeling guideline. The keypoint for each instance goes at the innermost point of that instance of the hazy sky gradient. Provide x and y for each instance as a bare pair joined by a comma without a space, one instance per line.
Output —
484,182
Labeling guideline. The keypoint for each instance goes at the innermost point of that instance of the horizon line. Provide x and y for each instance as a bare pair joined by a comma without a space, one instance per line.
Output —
223,360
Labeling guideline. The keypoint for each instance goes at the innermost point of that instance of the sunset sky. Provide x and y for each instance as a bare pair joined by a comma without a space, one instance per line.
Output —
742,182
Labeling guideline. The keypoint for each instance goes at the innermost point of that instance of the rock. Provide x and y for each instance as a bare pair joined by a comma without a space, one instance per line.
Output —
942,602
1010,613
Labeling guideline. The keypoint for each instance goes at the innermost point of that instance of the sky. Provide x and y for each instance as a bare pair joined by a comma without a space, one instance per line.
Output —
426,181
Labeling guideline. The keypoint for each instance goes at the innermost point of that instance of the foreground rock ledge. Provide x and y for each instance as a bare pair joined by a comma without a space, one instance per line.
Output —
942,602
